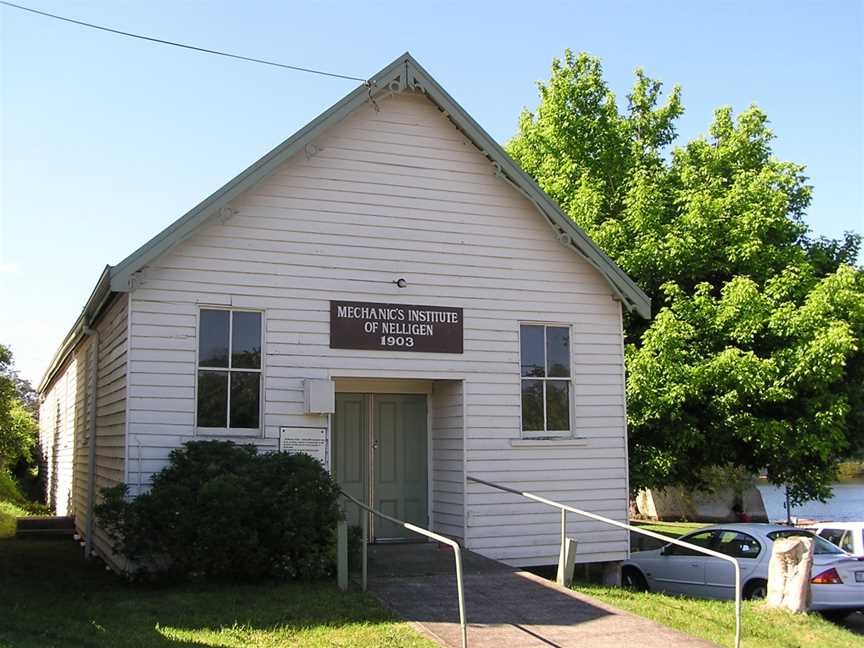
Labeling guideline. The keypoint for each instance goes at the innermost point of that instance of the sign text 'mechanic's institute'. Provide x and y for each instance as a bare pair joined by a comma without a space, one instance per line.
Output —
395,327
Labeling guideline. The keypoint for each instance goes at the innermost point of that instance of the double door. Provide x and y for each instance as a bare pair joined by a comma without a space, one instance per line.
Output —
380,456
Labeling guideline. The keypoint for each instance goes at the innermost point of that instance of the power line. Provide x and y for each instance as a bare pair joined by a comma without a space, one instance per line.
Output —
182,45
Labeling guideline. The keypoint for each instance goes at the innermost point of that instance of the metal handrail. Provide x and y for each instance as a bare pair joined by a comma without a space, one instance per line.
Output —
457,554
564,508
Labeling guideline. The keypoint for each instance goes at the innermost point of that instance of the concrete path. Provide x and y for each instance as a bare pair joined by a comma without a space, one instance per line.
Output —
505,606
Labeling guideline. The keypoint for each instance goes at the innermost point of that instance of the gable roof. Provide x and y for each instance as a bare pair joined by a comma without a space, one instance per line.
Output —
402,74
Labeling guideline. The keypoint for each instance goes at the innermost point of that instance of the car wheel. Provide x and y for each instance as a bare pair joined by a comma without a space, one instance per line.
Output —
756,589
835,615
632,578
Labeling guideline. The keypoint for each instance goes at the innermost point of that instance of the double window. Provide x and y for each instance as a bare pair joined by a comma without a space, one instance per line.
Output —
229,369
545,360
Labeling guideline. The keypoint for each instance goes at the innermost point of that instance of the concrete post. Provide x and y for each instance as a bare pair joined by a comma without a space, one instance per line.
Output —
789,574
567,563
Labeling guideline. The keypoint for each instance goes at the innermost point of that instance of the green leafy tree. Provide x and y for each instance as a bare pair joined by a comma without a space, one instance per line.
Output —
18,426
754,358
763,377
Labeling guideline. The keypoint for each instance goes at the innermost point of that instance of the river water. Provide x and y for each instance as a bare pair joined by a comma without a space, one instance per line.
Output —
847,504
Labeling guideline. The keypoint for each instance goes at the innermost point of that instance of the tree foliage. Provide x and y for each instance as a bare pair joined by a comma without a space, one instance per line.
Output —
754,357
18,425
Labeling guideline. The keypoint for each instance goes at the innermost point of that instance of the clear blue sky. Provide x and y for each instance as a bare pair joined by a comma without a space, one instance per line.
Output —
106,140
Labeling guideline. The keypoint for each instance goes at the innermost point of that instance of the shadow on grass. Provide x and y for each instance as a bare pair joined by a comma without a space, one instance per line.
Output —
52,597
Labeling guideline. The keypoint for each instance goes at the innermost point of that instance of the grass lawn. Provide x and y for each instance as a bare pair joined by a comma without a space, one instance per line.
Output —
51,597
715,620
639,542
8,513
673,529
13,505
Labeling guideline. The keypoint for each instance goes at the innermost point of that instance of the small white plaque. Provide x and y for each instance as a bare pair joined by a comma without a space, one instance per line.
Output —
312,441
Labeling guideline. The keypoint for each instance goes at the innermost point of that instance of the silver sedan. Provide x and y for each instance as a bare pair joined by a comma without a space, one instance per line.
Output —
837,578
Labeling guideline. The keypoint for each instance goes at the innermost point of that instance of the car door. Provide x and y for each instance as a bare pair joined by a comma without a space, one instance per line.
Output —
680,570
720,574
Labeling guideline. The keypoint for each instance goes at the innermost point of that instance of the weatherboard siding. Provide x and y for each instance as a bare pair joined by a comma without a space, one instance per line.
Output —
111,409
57,438
82,394
65,427
381,195
448,458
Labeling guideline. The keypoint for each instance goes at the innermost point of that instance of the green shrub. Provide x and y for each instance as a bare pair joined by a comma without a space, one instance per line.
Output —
11,492
223,510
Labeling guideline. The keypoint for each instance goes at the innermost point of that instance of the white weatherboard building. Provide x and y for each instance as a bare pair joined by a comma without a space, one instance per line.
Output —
385,290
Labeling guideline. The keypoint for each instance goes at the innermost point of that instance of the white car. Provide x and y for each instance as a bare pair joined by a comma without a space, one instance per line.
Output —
837,579
849,536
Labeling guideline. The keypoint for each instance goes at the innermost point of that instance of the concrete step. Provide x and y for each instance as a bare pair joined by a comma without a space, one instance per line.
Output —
41,526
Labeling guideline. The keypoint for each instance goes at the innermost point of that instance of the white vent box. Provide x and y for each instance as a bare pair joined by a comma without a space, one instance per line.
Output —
320,396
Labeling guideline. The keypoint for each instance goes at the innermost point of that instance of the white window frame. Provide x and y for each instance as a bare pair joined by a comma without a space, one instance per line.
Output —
229,431
545,433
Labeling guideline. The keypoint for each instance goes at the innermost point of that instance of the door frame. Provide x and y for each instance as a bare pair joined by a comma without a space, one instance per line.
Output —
368,387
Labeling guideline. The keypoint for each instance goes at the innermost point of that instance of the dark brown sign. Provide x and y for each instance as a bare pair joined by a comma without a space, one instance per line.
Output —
395,327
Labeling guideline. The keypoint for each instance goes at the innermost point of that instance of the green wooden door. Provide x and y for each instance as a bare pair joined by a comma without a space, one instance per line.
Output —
400,463
393,455
350,449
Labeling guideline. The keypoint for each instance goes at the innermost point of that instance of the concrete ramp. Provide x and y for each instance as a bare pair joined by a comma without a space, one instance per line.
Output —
505,606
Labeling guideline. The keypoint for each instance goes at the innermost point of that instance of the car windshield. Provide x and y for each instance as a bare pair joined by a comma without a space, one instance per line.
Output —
822,545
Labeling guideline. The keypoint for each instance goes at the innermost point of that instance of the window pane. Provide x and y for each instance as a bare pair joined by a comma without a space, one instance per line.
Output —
213,338
246,340
822,546
245,393
701,539
532,405
825,548
212,398
531,339
832,535
558,351
557,405
737,545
